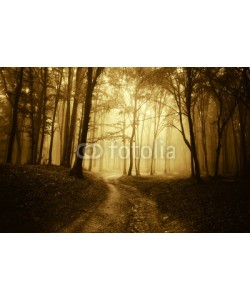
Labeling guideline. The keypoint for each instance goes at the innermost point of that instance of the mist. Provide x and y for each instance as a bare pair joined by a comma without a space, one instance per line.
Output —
141,121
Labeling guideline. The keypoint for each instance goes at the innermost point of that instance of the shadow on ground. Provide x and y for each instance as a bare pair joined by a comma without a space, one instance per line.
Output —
45,199
217,206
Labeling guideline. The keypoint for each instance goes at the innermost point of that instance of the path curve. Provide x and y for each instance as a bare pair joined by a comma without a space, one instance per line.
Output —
124,210
111,214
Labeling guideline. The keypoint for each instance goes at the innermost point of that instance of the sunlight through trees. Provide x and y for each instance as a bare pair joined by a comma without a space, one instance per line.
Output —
134,121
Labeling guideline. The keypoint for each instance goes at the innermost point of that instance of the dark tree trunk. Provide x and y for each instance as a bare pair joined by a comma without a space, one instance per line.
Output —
189,89
194,152
54,116
77,168
220,130
37,125
15,116
67,118
32,116
218,150
44,117
192,165
203,107
235,147
204,145
79,78
243,148
19,138
225,151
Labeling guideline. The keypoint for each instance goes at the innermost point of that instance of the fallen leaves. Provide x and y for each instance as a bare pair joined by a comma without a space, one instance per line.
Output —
43,198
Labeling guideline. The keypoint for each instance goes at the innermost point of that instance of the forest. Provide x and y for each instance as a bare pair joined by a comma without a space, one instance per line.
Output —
202,112
149,123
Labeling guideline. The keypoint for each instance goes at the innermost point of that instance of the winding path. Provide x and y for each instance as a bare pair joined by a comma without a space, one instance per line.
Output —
124,210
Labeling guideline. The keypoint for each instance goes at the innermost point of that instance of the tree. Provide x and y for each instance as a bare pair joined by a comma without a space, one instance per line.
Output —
33,153
92,77
57,98
243,107
181,83
226,101
202,113
191,74
160,121
44,110
67,118
44,100
78,90
15,115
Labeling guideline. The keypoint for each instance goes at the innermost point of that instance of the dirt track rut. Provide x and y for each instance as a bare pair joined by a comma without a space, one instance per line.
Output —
124,210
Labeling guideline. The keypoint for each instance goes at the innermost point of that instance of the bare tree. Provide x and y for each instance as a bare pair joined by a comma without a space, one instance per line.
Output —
67,116
92,77
57,97
15,115
219,85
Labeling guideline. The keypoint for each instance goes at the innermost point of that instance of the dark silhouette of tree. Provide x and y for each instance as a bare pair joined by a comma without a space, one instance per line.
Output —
80,73
57,98
44,100
15,115
45,112
226,101
181,82
243,108
33,153
67,118
92,76
191,74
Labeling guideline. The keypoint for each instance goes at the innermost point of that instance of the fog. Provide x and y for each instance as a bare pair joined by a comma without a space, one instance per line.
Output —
135,121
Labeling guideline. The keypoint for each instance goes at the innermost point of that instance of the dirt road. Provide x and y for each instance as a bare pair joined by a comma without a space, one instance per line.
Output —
124,210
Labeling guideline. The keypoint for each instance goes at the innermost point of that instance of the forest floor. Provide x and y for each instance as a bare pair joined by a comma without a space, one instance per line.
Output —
124,210
46,199
221,205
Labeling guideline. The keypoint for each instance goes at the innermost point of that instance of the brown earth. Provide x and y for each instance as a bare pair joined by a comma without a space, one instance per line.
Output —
221,205
46,199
